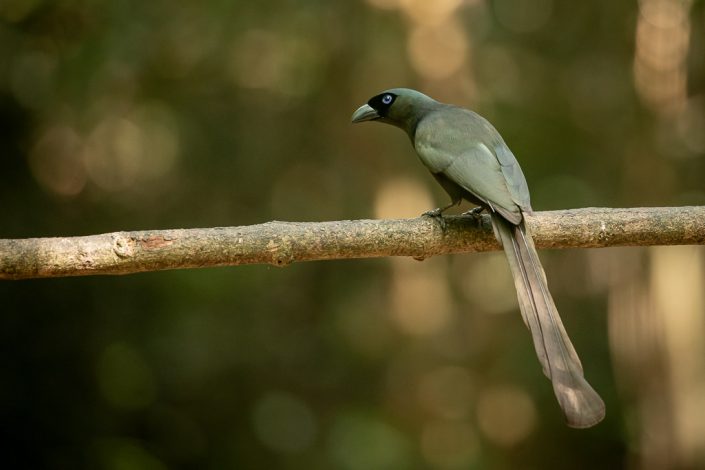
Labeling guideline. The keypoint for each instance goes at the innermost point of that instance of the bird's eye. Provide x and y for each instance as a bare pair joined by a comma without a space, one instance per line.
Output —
386,99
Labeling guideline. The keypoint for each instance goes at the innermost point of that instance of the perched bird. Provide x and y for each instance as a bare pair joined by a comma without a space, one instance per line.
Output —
470,160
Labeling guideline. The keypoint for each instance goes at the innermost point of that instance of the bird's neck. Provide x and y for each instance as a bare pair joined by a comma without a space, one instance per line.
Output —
411,122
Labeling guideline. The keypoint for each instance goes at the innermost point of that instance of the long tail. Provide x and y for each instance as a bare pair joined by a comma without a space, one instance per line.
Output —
581,405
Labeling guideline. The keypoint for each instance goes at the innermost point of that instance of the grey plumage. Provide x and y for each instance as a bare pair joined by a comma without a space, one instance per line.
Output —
471,161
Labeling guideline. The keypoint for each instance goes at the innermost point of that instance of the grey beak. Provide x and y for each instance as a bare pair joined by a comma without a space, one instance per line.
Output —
365,113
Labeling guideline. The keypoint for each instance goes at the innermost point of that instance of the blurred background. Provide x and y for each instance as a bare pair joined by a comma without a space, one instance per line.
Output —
149,115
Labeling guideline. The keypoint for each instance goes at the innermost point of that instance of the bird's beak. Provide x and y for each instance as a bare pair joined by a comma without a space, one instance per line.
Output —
364,113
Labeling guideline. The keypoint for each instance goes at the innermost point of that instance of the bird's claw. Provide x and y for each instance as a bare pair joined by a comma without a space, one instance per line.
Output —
436,214
475,213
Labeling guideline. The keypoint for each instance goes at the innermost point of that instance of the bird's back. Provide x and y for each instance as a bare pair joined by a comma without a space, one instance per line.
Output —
467,149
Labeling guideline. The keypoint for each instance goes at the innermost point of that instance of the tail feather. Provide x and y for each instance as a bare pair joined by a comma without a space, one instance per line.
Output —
581,405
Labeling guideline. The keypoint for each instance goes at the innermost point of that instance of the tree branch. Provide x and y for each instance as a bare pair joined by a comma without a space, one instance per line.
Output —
281,243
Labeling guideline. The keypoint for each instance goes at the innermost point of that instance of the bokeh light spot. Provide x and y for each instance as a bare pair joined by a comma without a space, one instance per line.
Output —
359,441
690,125
284,423
506,415
114,152
662,43
677,277
487,283
450,445
361,322
262,59
447,392
428,13
523,16
161,141
121,152
56,163
402,197
436,52
419,296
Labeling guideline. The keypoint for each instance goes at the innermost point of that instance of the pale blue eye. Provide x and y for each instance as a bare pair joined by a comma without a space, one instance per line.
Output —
386,99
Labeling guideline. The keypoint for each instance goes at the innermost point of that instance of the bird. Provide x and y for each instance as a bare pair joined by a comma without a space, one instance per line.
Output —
468,157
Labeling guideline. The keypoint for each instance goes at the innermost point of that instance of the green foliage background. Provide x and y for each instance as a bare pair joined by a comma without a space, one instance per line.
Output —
145,115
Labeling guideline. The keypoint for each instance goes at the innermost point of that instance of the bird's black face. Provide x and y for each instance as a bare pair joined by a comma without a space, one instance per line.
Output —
400,107
382,102
377,108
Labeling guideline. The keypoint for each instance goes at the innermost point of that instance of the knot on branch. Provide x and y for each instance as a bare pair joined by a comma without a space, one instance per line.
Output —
123,245
603,235
282,252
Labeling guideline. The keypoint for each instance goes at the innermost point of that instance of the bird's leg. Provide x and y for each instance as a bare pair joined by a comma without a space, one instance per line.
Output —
437,213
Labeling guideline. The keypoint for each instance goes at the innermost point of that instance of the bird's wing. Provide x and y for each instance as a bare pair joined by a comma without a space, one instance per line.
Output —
513,176
466,149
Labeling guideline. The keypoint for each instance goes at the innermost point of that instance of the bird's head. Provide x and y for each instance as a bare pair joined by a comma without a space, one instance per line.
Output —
401,107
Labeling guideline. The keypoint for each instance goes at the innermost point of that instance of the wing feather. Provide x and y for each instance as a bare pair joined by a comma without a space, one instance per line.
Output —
469,151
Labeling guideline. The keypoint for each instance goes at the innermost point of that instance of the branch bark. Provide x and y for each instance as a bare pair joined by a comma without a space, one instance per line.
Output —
282,243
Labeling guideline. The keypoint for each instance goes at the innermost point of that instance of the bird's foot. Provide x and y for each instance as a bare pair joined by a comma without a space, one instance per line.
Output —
436,214
475,213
